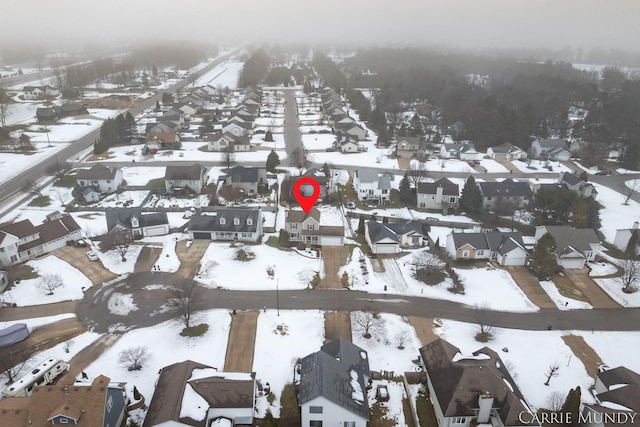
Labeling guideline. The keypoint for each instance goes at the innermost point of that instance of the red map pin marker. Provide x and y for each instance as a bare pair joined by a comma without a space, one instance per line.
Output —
306,203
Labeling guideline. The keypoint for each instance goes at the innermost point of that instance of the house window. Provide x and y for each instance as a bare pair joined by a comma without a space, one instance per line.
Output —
309,226
249,221
63,420
589,254
222,221
108,181
458,420
236,221
315,409
315,423
109,403
349,424
465,254
452,199
385,191
294,226
433,197
422,205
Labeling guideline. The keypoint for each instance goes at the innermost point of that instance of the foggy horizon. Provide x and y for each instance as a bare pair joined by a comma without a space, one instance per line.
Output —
462,24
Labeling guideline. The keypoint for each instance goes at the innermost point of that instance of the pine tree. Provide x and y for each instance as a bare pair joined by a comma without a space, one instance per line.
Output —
471,198
273,160
130,126
121,129
167,98
406,194
572,404
326,170
543,257
268,136
283,239
361,225
385,220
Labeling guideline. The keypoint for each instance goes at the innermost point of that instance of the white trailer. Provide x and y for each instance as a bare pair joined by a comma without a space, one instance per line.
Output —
44,373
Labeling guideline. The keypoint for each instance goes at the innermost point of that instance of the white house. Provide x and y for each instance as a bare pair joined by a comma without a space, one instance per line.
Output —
370,186
390,238
100,178
136,223
308,229
442,195
222,142
474,389
623,239
333,386
192,177
505,248
228,224
550,149
506,151
574,246
348,144
39,92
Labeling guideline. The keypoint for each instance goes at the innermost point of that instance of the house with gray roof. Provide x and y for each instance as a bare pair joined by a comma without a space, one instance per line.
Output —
516,192
505,248
412,147
506,151
135,223
249,180
333,386
307,228
550,149
442,195
178,178
391,238
98,179
617,393
228,141
574,183
371,187
574,246
472,389
228,224
189,393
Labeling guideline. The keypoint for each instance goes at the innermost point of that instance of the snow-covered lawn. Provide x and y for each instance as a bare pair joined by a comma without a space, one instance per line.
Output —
167,260
292,271
613,287
129,197
112,260
601,268
492,166
92,223
141,175
222,76
540,167
12,164
615,215
563,303
318,141
27,292
276,351
156,201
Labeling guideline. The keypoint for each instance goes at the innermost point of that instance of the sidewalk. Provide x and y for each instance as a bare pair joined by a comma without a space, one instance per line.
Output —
8,314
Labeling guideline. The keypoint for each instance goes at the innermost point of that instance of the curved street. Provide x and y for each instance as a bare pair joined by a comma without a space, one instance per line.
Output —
150,298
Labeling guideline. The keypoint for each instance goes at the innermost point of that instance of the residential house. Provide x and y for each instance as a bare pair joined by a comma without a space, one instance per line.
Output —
228,141
237,126
505,248
135,223
574,246
617,393
628,239
347,143
22,240
412,146
307,228
333,386
173,115
181,178
70,93
164,134
5,135
390,238
371,187
98,404
574,183
517,193
475,389
4,280
506,151
73,109
39,92
48,114
550,149
187,108
99,179
235,224
306,190
351,129
249,180
442,195
189,393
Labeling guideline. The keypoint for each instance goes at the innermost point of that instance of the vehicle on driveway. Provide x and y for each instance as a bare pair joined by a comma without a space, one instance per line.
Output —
92,256
351,204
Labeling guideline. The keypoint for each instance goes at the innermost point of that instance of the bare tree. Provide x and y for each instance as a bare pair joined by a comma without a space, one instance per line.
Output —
401,339
4,107
58,169
630,187
417,173
118,240
228,156
366,323
184,298
49,283
554,401
486,319
134,358
32,187
426,262
12,362
552,372
630,275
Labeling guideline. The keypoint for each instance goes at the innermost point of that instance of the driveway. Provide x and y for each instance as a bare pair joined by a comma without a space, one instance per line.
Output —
333,258
86,356
77,257
584,352
337,324
530,286
392,276
147,258
241,342
424,329
597,297
190,256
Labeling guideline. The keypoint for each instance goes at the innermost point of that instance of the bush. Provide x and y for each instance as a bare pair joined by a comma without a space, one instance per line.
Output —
345,280
315,281
195,331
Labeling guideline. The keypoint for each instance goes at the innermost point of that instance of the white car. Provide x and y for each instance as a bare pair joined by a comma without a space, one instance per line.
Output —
92,256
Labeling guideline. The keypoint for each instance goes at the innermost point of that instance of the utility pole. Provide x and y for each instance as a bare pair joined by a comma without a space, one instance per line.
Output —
277,298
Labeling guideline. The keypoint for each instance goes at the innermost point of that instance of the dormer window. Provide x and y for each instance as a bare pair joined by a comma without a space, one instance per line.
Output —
135,222
236,221
249,221
223,221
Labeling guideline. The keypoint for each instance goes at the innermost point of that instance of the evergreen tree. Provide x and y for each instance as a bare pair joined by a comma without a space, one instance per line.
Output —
326,170
572,404
406,194
592,212
543,257
471,198
268,136
167,98
385,220
283,238
361,225
158,105
130,126
273,160
121,130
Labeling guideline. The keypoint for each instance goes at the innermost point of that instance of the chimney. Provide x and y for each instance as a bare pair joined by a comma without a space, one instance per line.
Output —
485,402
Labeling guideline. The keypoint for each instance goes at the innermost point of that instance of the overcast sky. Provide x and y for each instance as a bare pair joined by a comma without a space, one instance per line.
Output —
462,23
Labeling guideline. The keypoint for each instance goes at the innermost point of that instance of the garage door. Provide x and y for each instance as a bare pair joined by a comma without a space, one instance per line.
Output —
201,235
331,241
156,231
385,249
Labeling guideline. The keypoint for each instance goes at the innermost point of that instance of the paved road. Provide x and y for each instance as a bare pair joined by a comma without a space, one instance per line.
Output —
93,313
292,136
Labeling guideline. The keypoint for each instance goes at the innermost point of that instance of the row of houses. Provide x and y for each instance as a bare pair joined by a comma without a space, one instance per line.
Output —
51,114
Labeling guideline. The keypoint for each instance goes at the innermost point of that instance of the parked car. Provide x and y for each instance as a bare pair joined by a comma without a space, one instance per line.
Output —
351,204
92,256
431,218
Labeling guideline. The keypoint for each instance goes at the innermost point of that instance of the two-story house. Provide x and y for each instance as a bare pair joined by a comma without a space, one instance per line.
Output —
574,183
574,246
228,224
333,386
550,149
307,228
98,180
191,178
228,141
249,180
135,223
475,389
516,192
442,195
412,146
22,240
371,187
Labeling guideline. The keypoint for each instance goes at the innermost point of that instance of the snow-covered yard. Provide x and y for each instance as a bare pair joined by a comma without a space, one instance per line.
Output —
615,214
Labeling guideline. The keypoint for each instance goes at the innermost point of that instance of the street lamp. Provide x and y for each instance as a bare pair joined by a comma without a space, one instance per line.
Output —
46,129
277,298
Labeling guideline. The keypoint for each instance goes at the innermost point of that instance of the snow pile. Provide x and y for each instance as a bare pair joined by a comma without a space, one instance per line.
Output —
121,304
562,302
356,390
